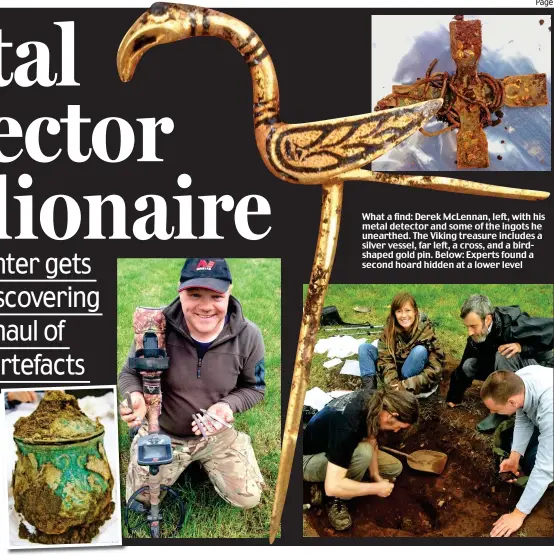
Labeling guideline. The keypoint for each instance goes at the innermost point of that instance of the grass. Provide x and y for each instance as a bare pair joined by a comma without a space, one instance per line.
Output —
257,285
441,303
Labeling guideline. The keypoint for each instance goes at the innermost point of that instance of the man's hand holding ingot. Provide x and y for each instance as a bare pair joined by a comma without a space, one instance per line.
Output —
133,415
507,524
223,410
509,349
22,396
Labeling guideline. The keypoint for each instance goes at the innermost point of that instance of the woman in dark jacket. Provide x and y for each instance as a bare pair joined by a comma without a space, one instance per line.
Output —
409,355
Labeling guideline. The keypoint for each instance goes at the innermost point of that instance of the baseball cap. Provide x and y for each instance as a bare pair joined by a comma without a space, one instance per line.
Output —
207,273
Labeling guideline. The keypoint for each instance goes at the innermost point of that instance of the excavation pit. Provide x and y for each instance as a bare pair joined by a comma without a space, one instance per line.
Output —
464,501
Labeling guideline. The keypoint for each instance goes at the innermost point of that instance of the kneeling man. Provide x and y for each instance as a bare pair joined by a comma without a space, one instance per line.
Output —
528,394
217,364
340,446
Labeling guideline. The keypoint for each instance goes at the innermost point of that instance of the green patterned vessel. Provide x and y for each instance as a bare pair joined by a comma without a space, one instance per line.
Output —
62,478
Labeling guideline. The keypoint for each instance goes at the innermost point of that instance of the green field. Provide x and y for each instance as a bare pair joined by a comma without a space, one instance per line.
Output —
442,304
257,285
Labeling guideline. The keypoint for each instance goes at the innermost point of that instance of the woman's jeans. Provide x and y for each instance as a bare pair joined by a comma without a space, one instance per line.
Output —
414,364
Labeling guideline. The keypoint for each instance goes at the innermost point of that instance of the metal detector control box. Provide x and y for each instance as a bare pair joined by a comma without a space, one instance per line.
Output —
154,450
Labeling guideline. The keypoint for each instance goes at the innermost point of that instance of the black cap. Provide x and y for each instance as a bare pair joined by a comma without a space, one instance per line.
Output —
207,273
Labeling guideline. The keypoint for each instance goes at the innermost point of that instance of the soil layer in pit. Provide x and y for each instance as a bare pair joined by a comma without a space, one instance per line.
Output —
464,501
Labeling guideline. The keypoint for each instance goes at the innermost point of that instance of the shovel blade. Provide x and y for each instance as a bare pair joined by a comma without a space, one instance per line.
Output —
428,461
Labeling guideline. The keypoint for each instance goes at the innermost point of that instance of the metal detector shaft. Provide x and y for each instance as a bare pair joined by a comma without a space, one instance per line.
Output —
347,328
363,333
154,485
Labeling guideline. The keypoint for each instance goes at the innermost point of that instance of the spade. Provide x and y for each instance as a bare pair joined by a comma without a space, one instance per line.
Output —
424,459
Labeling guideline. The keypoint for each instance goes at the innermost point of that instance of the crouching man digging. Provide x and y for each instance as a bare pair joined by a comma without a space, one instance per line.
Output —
340,446
216,365
528,394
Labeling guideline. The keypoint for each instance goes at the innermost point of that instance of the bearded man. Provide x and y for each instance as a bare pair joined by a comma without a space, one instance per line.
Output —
500,338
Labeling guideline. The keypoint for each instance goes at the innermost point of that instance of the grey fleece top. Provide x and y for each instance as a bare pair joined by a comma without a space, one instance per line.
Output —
536,411
231,370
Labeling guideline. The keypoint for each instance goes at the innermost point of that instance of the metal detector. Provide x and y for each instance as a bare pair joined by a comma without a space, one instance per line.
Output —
154,449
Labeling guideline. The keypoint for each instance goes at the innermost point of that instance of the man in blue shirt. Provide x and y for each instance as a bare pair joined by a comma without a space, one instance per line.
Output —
528,394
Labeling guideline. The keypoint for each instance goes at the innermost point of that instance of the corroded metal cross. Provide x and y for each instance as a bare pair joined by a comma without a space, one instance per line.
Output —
470,98
326,153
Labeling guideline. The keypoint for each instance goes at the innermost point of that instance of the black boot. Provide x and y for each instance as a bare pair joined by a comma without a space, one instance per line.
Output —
369,382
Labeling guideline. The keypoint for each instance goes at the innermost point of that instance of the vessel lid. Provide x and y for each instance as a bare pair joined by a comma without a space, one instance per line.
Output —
57,419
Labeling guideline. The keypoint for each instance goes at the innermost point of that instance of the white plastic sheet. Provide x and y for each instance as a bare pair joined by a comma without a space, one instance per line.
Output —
351,367
342,346
316,398
332,363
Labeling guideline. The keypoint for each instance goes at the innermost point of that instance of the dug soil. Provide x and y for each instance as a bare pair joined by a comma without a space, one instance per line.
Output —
464,501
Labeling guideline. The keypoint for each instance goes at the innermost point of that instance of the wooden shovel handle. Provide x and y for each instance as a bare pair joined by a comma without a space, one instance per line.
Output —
389,450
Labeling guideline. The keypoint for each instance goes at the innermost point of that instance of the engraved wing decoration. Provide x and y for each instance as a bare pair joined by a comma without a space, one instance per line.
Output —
320,151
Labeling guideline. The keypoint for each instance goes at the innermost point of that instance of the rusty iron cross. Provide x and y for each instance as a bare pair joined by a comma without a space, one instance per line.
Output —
470,98
326,153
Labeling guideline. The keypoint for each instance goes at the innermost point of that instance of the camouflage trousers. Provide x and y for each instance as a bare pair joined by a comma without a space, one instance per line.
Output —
228,459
